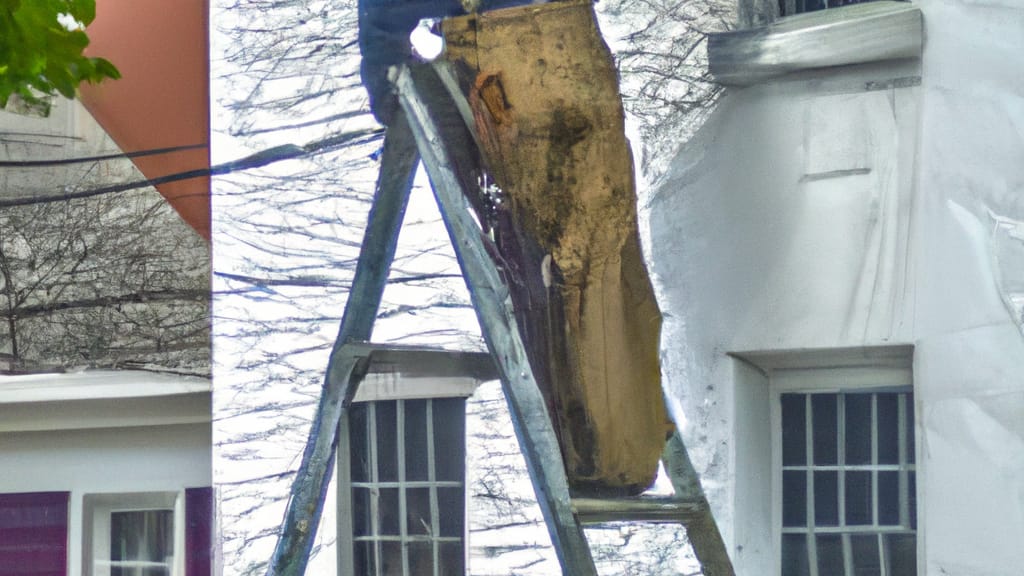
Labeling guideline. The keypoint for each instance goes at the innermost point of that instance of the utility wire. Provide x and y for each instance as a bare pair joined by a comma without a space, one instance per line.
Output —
257,160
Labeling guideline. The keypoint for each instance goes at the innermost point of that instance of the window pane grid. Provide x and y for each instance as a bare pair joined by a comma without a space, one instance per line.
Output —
850,468
409,538
850,530
832,541
790,7
412,484
399,538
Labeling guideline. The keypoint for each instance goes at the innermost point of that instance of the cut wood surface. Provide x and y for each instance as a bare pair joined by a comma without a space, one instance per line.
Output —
544,95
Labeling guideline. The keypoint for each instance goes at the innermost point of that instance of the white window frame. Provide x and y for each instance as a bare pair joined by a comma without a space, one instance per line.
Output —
392,387
827,379
97,510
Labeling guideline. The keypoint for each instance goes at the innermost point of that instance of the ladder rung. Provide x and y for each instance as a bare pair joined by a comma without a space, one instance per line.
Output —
641,509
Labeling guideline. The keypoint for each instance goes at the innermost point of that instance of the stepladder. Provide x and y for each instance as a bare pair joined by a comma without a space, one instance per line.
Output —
440,121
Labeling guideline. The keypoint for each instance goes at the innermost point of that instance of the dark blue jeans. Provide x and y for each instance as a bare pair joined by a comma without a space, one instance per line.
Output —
384,28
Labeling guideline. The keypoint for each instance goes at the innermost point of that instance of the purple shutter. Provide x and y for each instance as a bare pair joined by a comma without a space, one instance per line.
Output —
198,531
34,534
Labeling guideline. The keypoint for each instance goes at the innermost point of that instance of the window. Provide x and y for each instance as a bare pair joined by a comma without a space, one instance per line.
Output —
132,534
789,7
406,494
846,502
141,543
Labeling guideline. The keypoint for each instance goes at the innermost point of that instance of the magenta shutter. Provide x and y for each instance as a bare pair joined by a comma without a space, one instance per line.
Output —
34,534
198,531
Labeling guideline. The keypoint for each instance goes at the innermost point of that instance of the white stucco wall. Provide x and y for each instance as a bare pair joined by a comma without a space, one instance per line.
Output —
869,206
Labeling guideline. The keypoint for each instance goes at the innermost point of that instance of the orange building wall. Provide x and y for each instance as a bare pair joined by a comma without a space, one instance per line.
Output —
161,48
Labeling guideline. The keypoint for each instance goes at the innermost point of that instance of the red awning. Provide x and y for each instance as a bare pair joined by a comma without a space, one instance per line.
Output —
162,99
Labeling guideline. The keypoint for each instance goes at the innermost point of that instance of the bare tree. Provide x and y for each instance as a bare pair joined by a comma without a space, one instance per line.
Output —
110,281
102,284
661,49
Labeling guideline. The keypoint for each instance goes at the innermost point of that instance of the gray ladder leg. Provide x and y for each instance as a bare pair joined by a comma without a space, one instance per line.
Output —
701,527
306,500
493,306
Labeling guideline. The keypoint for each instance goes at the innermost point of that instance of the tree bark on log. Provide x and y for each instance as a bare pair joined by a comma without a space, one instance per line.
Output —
544,94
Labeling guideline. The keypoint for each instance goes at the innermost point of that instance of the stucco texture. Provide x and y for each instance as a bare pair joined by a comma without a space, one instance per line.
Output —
865,206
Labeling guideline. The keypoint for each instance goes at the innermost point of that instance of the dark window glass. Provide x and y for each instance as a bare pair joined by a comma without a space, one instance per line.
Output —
388,509
361,512
866,561
451,508
794,498
889,498
358,448
826,498
140,571
830,554
142,536
453,562
417,506
858,498
901,553
416,440
858,428
450,438
794,443
421,558
823,415
364,558
888,429
794,555
387,441
391,558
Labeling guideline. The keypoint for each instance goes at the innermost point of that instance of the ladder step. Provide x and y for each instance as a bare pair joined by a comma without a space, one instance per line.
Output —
668,509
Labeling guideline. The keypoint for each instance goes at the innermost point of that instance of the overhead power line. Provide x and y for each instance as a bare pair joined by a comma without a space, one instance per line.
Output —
257,160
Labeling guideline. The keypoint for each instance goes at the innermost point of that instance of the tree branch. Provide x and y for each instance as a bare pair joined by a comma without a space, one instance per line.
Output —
140,297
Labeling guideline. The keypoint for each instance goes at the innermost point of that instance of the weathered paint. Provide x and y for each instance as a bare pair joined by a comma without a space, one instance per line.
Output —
875,205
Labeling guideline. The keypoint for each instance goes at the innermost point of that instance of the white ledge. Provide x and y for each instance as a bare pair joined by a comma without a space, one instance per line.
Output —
856,34
95,385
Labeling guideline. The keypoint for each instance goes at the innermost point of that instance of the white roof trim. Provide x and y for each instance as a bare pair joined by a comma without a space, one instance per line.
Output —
99,384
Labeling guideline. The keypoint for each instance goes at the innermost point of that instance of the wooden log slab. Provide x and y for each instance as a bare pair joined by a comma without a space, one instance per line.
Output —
543,90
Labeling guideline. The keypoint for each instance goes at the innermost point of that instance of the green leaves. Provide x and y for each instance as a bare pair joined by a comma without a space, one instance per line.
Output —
41,44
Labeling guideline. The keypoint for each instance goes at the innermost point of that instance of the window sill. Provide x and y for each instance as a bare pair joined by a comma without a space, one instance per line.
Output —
856,34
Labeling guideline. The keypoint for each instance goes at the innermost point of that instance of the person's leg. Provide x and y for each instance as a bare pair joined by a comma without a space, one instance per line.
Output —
384,28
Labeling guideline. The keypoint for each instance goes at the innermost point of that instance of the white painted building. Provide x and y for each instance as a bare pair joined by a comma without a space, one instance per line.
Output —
839,255
92,460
